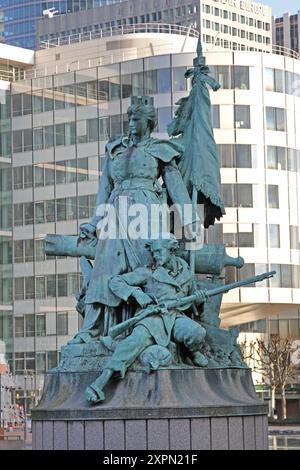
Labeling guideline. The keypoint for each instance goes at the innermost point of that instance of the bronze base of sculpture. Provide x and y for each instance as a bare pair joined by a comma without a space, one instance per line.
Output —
187,408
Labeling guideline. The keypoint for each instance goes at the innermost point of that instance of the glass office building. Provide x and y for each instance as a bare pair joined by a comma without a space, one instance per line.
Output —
21,16
53,146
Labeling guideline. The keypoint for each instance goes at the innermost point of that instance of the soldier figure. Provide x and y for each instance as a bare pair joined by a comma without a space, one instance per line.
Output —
168,278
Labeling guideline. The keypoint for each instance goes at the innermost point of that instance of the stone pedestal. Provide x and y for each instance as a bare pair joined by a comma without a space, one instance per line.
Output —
170,409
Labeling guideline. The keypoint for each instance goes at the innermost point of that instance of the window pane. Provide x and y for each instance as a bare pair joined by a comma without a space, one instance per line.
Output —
49,137
226,155
92,130
59,134
243,156
18,214
179,80
71,208
82,169
273,198
29,325
52,359
62,285
49,176
19,288
224,76
27,137
50,211
26,104
269,80
39,250
83,207
215,116
279,81
270,117
115,125
70,136
114,88
242,117
71,171
28,213
274,236
39,176
18,177
38,138
228,191
41,325
103,128
164,118
39,213
40,290
280,119
19,251
286,275
28,250
241,77
29,287
51,285
60,172
62,324
19,327
244,194
17,141
61,209
150,82
28,177
164,80
40,362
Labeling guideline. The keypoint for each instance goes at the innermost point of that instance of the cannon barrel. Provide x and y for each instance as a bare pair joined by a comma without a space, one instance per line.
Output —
210,259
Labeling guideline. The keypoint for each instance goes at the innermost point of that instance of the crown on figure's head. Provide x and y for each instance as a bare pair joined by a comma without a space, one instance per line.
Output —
142,100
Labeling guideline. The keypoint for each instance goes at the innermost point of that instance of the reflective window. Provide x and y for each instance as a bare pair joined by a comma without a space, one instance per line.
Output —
274,235
19,288
29,288
179,80
164,118
241,77
243,156
62,324
275,118
40,288
242,117
273,196
19,327
215,109
276,158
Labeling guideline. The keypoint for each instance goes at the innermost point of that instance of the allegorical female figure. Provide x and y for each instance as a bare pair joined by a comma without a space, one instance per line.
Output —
133,169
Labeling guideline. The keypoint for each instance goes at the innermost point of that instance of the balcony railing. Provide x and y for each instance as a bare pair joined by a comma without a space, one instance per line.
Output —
122,30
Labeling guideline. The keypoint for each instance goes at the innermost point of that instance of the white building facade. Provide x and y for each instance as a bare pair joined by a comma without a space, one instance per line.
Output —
60,123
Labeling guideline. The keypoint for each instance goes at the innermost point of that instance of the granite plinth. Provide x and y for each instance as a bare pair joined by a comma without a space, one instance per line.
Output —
168,409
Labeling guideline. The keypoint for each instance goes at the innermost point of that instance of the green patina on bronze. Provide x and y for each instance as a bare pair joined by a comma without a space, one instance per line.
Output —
143,303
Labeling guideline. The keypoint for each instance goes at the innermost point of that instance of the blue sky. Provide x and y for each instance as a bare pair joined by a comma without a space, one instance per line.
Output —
280,6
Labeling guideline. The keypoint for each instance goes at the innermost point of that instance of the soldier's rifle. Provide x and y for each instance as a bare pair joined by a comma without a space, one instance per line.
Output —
160,308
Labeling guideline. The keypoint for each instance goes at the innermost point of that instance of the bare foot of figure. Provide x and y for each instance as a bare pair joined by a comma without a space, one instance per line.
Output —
94,396
94,393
